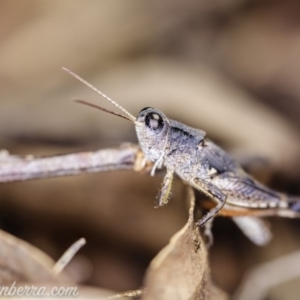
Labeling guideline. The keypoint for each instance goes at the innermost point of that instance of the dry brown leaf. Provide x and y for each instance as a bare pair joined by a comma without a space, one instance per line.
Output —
21,262
181,271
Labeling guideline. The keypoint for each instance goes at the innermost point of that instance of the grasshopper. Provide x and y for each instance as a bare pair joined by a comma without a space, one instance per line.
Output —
187,152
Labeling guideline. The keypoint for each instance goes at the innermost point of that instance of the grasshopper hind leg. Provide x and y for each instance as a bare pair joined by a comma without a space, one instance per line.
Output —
294,204
214,193
256,229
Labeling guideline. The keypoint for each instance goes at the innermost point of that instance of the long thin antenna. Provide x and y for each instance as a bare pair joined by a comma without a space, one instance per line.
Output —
100,93
103,109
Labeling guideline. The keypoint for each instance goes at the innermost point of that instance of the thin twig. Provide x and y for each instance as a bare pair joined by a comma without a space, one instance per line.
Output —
15,168
68,255
136,294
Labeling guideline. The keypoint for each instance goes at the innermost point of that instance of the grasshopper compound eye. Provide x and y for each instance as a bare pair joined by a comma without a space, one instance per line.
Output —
154,122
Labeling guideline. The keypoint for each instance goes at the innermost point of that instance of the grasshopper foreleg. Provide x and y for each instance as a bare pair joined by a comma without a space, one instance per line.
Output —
164,193
214,193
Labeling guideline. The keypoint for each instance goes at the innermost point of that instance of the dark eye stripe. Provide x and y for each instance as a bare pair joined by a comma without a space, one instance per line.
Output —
146,108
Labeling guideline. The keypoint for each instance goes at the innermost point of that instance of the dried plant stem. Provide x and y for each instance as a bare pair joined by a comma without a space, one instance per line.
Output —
68,255
15,168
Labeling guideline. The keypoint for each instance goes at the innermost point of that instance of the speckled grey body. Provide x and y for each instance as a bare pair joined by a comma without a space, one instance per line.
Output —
187,152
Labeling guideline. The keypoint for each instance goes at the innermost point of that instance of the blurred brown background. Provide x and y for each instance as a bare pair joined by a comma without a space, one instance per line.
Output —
231,68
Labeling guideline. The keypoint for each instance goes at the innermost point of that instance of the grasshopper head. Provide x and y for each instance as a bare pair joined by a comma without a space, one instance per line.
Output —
152,127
